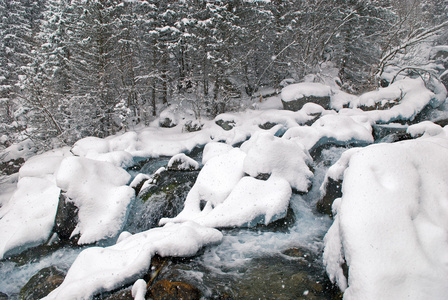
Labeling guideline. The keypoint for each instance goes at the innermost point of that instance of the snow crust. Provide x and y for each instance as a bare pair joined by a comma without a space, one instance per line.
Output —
392,221
99,269
100,192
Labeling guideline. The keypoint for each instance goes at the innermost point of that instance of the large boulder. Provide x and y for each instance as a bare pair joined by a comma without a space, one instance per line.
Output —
42,283
294,96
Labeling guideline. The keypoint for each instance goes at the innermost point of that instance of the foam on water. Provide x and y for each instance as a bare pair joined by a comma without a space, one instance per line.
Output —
14,276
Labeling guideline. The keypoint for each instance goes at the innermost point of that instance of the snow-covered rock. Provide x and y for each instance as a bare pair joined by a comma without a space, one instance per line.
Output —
251,202
182,162
391,224
100,192
294,96
99,269
267,154
404,98
338,129
213,149
214,183
28,218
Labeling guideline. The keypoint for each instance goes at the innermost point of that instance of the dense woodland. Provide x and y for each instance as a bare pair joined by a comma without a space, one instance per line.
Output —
73,68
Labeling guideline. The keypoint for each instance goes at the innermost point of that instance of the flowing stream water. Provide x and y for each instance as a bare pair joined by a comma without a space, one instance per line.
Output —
278,261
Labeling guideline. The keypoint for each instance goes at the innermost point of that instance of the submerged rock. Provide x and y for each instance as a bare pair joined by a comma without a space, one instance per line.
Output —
42,283
3,296
278,278
169,290
125,294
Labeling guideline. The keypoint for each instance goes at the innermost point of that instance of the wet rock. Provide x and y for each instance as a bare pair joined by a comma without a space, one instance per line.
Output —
3,296
442,122
192,126
167,122
169,290
225,124
390,133
125,294
383,105
333,190
163,197
267,125
11,166
66,218
276,278
42,283
181,162
297,104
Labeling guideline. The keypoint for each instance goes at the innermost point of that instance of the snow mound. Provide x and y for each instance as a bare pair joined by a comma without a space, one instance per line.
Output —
223,197
425,128
305,89
99,269
251,202
28,219
99,191
214,183
391,225
213,149
267,154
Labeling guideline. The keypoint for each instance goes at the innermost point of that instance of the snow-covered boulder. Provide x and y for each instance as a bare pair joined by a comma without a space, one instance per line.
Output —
100,192
181,162
339,129
404,99
28,218
267,154
99,269
214,183
251,202
391,224
294,96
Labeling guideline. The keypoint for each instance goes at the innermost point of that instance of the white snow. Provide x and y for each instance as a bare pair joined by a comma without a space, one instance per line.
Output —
391,224
299,90
214,183
99,191
251,202
338,128
425,128
267,154
412,96
213,149
100,269
139,290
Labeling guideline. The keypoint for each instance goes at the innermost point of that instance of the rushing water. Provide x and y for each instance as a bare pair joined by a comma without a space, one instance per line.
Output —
280,261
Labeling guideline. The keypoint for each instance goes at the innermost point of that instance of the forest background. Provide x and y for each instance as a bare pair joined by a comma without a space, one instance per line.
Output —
76,68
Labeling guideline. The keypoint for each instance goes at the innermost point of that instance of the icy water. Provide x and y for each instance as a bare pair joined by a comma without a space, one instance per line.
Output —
279,261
